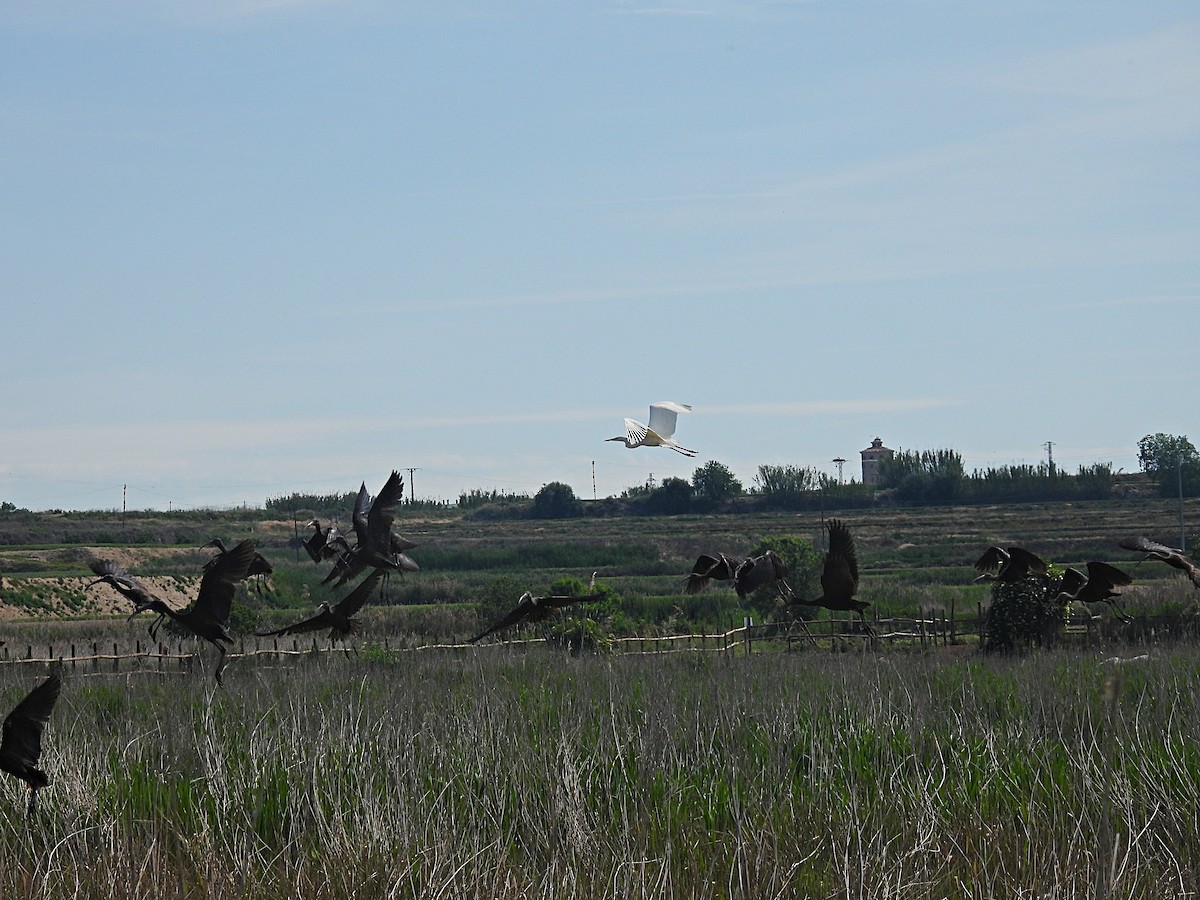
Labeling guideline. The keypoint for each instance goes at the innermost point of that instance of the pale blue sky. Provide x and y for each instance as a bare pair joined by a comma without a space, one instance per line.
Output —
257,247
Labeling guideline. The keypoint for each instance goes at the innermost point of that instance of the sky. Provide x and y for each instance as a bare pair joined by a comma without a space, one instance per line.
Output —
253,247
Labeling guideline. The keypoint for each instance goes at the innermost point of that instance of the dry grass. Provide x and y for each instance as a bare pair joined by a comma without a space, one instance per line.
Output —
537,775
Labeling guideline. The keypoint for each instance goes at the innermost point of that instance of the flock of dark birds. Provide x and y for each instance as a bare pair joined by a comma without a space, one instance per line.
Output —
377,548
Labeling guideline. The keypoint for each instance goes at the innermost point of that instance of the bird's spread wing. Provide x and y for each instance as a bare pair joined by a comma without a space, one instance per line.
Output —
993,558
1072,581
1145,545
841,549
525,607
104,567
353,602
319,622
219,584
706,567
383,513
315,545
1032,563
21,737
756,571
635,431
663,416
1110,576
558,602
121,581
362,503
401,544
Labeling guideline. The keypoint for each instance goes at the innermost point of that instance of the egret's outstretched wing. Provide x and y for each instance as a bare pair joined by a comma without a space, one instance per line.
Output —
663,416
635,432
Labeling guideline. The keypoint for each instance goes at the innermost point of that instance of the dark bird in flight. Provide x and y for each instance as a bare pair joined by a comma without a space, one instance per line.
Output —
758,571
1094,587
708,568
21,739
375,545
839,575
323,545
259,567
121,581
534,609
1008,566
208,616
339,618
1172,557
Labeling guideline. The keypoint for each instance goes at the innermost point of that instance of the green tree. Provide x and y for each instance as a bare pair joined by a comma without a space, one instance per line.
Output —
673,497
1167,458
555,501
1024,613
714,482
930,476
785,487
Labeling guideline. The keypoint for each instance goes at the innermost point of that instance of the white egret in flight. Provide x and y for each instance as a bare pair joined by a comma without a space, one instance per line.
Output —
658,432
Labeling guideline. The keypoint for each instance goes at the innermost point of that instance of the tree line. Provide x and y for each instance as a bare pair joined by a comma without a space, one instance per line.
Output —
909,477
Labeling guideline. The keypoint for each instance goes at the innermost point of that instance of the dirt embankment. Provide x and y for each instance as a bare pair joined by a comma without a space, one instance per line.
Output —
68,596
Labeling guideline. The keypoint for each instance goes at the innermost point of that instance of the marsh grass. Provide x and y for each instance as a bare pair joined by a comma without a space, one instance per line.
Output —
538,775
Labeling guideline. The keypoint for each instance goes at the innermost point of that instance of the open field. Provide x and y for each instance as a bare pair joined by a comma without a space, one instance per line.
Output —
506,772
533,774
910,558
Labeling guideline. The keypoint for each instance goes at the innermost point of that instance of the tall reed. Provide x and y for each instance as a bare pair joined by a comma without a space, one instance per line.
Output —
532,774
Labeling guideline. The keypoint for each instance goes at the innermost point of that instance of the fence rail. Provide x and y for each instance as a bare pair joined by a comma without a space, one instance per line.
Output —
923,631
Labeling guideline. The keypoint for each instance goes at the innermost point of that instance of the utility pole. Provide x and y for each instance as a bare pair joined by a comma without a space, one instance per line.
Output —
1049,445
412,497
593,479
839,462
1182,533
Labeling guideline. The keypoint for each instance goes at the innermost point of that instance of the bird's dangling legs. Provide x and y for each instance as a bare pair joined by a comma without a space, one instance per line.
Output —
867,628
220,665
807,632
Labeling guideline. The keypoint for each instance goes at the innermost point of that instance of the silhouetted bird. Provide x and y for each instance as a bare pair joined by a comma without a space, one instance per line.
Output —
323,545
208,617
839,575
121,581
339,618
534,609
1094,587
259,567
375,546
708,568
1011,565
21,739
759,571
1172,557
660,430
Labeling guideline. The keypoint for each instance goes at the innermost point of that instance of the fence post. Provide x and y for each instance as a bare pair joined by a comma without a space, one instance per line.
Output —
746,623
953,630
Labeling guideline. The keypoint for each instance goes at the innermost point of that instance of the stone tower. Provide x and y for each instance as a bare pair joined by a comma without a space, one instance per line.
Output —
870,461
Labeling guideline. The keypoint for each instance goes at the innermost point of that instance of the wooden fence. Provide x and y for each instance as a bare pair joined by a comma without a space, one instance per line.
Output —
924,631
